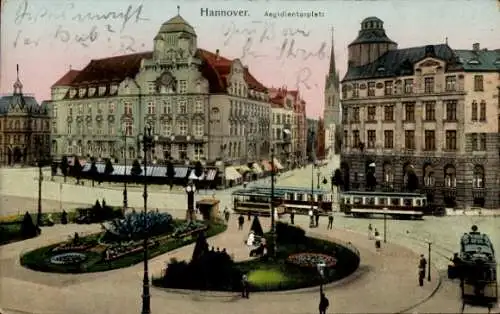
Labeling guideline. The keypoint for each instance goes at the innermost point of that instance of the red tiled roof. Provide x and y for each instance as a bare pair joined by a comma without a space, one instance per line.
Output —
67,78
104,71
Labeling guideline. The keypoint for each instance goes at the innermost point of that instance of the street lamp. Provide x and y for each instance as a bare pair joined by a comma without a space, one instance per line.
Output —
125,150
429,244
312,172
148,143
385,224
273,227
321,271
318,175
190,190
41,160
223,152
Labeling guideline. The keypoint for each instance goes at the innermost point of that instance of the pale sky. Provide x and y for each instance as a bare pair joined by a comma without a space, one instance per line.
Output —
48,37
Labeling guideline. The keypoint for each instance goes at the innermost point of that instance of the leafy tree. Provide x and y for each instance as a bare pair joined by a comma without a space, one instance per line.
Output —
77,170
108,168
170,173
64,167
136,168
200,248
93,172
256,227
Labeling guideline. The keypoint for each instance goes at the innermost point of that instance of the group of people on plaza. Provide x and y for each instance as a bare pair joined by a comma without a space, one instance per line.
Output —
373,234
314,219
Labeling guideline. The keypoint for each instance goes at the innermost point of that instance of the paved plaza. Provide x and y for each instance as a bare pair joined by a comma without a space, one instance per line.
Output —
385,282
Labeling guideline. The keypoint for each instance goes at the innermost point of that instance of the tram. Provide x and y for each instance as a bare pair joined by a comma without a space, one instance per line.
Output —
249,202
475,266
392,204
290,198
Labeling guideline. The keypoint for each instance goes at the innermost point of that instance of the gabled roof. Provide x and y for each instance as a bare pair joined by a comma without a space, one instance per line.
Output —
103,72
398,62
480,60
66,79
28,102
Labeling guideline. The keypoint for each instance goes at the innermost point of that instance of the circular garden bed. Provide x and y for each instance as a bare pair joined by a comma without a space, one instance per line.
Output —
119,245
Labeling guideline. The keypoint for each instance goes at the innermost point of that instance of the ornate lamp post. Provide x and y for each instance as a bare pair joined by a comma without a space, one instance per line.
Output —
125,200
148,143
385,224
41,161
429,244
318,174
321,271
312,170
190,190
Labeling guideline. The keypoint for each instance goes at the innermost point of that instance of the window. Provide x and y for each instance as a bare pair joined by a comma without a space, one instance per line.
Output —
54,127
346,139
409,111
355,90
167,107
167,151
451,110
430,110
429,179
473,141
355,138
198,151
389,139
198,106
183,128
474,111
111,128
70,110
89,109
199,129
429,85
450,179
111,108
54,111
372,111
482,141
182,151
355,114
408,86
371,135
478,178
451,83
451,140
69,128
127,108
166,128
478,83
389,113
410,139
345,115
371,88
151,107
128,128
482,111
182,107
182,86
430,140
388,88
152,87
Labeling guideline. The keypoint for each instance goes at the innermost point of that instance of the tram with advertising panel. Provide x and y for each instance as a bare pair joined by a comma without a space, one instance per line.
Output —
393,204
288,199
476,268
251,202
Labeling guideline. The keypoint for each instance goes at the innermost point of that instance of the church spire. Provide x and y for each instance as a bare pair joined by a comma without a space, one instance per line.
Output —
178,10
18,86
333,70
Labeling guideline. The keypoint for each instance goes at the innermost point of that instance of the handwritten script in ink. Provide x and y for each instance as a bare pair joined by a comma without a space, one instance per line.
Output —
93,26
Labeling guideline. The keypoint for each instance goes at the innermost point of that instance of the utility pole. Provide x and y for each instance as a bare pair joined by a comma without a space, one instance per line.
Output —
273,227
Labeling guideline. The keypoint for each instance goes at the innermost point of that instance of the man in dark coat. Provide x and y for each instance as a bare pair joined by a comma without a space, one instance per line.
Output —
421,269
323,304
241,221
244,286
292,217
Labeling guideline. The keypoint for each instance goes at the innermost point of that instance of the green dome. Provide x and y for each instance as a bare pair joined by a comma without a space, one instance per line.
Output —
177,25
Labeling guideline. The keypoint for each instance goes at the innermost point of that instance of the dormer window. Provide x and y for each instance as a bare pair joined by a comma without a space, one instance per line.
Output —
114,88
91,91
102,90
72,93
81,92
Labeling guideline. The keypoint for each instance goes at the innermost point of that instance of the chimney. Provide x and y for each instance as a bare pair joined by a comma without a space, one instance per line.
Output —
217,54
476,47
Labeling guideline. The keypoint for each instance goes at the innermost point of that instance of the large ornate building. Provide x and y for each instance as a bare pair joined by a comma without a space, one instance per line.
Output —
24,128
429,112
202,105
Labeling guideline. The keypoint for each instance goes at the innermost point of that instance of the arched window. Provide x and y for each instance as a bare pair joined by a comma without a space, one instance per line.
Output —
230,150
450,177
429,179
478,177
54,147
89,148
388,173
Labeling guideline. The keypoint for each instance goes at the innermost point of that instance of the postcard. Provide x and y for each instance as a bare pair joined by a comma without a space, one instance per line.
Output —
249,156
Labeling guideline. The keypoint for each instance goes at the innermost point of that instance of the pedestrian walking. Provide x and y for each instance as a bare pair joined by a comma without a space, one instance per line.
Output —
330,221
249,215
323,303
377,239
244,287
370,232
311,218
241,221
422,263
317,219
292,217
226,214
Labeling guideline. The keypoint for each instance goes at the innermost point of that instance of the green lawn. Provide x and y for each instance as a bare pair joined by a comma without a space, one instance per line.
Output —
266,278
39,259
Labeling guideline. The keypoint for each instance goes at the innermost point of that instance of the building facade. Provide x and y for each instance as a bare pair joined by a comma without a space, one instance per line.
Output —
429,111
312,129
24,129
332,107
201,105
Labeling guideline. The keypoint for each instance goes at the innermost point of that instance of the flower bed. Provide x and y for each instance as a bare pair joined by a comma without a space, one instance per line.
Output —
72,248
311,259
118,251
68,258
188,229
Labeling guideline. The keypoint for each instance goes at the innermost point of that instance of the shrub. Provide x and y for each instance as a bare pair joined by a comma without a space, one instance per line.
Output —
286,233
200,248
256,227
134,225
28,228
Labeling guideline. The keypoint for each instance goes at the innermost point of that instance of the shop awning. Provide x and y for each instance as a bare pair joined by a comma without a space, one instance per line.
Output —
243,168
192,176
267,165
181,172
211,174
256,168
277,164
232,173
